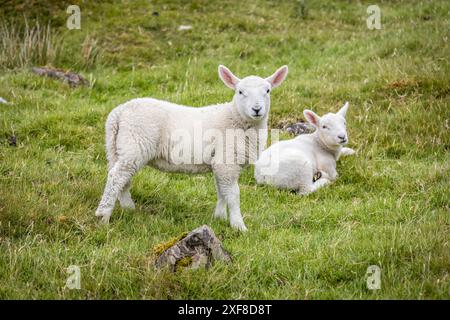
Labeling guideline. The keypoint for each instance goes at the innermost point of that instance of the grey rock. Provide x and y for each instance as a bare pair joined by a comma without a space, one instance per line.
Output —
72,78
299,128
201,245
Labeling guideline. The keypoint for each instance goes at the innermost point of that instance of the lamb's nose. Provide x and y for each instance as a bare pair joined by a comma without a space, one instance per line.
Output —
257,109
342,137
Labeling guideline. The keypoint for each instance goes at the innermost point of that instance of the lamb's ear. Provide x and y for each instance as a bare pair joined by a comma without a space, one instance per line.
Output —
343,110
278,77
228,77
312,118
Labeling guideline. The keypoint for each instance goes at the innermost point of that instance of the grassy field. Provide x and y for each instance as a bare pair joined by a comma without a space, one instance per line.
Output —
390,206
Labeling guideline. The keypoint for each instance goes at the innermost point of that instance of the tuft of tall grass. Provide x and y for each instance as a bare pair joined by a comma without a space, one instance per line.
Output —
23,45
90,52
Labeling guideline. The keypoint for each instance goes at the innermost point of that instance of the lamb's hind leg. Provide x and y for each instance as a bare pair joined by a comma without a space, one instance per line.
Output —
118,177
125,200
306,185
320,183
131,154
118,184
313,186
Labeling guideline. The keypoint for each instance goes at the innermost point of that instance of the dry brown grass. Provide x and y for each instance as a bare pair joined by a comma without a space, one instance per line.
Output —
21,46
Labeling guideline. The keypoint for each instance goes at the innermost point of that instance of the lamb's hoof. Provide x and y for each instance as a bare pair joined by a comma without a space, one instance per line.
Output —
128,205
103,216
126,202
239,226
303,193
221,215
348,151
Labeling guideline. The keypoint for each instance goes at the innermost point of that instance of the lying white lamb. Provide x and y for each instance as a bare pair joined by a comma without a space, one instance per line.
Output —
292,164
145,131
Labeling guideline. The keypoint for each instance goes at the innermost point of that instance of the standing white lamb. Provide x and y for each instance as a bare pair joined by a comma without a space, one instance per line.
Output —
148,131
292,164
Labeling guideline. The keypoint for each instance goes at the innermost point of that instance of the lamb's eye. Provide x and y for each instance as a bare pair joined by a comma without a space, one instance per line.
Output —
268,90
324,127
240,92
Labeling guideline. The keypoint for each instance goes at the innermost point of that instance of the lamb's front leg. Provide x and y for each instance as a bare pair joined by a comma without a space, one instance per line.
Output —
227,180
347,152
233,201
221,206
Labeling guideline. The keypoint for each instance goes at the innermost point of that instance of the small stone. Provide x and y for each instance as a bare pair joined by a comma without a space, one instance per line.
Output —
12,141
184,28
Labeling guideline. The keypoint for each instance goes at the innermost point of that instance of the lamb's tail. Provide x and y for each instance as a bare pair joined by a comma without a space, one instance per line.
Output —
112,129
